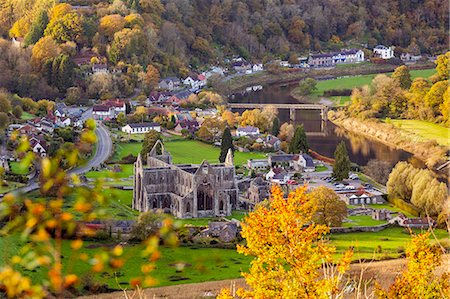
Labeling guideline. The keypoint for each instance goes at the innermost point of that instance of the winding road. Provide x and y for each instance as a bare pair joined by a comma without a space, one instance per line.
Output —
102,152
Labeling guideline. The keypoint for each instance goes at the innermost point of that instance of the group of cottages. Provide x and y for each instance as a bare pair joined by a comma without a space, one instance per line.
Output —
38,128
108,110
365,198
269,142
383,52
334,58
193,81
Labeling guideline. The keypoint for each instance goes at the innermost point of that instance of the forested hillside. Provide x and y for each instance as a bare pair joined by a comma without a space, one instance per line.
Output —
176,36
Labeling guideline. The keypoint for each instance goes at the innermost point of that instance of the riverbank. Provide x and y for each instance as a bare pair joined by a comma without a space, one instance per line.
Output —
347,83
428,151
227,87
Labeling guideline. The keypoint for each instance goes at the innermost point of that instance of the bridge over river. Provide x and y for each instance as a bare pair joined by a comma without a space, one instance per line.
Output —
292,108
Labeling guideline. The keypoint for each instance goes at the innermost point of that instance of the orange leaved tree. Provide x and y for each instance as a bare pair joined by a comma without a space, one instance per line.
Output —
291,258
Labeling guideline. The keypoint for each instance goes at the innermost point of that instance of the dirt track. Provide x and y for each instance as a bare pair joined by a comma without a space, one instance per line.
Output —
384,272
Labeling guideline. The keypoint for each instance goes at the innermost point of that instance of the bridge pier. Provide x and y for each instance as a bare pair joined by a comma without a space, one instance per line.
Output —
292,114
324,113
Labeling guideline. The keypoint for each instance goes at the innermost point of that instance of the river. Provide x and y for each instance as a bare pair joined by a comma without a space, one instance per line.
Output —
360,148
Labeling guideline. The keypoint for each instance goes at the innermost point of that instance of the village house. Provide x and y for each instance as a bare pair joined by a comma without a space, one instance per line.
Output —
333,58
63,121
117,105
257,164
39,146
100,68
102,112
189,125
306,162
271,142
241,66
383,52
410,58
419,223
247,131
258,67
141,128
278,176
195,82
381,214
169,83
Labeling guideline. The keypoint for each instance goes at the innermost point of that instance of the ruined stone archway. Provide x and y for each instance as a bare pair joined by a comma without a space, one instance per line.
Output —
205,196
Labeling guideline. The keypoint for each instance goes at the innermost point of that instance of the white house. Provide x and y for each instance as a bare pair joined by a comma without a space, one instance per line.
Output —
38,146
383,52
257,67
247,131
257,163
63,122
141,128
306,162
102,112
100,68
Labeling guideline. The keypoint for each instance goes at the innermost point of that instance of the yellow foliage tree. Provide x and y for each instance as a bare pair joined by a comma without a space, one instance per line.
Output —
419,279
44,49
20,28
288,250
111,24
230,118
60,10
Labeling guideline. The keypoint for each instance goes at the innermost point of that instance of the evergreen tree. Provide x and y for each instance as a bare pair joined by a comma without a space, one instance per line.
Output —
65,72
227,143
37,29
402,76
275,126
341,166
299,143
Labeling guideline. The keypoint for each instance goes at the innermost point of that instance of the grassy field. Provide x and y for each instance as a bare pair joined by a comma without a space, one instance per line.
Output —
239,215
424,130
186,151
126,172
351,82
208,264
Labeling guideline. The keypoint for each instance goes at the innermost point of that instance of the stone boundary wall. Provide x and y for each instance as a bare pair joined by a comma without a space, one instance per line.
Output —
359,229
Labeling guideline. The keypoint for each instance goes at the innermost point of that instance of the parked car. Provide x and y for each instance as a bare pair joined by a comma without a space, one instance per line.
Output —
292,182
350,187
340,186
354,176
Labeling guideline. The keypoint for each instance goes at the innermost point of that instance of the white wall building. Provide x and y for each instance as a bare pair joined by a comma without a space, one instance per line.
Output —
141,128
383,52
247,131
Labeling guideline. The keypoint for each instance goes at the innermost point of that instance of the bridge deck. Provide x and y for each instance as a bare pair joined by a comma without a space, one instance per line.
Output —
278,106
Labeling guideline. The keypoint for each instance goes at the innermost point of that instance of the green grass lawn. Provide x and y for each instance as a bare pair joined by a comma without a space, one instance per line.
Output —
390,241
424,130
321,168
126,172
27,116
186,152
361,221
239,215
9,187
17,169
351,82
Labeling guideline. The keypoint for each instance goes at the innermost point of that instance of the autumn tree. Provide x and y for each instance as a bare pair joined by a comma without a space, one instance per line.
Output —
5,102
330,209
45,48
150,139
402,76
299,143
111,24
211,129
341,166
442,70
151,77
306,87
4,121
70,27
17,111
229,117
286,132
226,144
378,170
288,250
419,280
